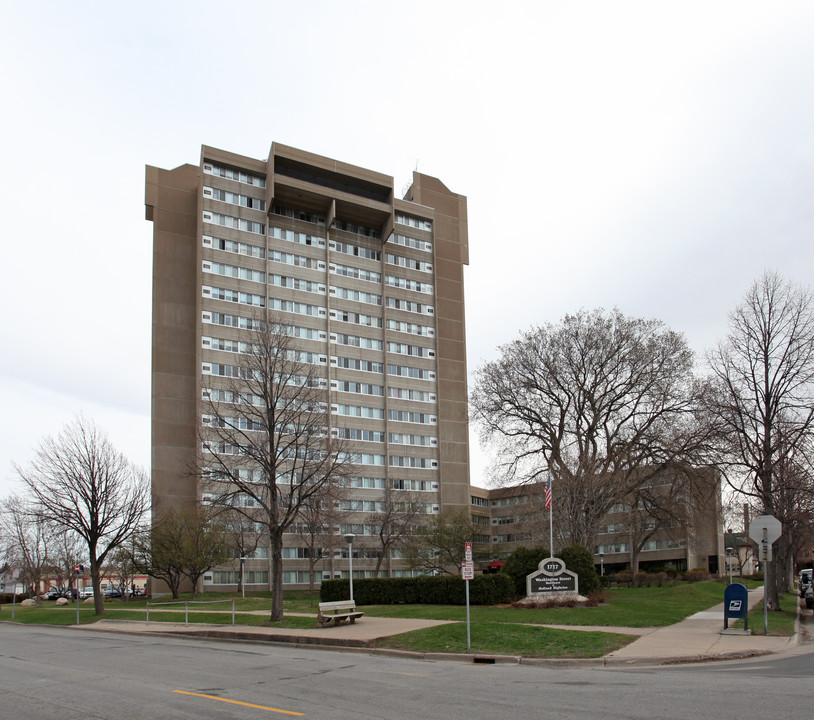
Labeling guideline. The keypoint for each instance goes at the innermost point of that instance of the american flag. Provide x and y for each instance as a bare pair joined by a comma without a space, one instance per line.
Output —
548,493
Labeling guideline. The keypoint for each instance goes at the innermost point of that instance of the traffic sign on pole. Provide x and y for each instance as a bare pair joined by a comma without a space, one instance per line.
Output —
770,524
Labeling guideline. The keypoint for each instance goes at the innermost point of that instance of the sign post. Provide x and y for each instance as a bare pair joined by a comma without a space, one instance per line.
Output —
764,530
467,573
14,575
78,570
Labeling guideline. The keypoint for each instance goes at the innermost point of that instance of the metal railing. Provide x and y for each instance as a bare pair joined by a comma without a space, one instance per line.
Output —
187,603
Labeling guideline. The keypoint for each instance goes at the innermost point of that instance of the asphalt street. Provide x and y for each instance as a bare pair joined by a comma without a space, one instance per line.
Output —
49,671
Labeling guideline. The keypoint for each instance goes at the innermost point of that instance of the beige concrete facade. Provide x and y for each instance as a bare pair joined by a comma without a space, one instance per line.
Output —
512,517
323,243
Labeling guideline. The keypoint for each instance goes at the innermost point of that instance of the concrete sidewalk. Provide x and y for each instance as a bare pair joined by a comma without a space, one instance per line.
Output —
696,639
699,638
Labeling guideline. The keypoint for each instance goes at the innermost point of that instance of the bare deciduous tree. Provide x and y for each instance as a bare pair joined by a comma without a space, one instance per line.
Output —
241,536
182,543
401,513
267,436
601,401
763,398
319,516
80,482
438,544
68,551
29,540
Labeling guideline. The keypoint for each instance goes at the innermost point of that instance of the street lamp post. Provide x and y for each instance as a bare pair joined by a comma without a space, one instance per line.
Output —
729,563
349,538
601,563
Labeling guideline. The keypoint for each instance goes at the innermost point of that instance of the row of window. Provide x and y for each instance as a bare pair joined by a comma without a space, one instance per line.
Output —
358,411
413,350
359,434
300,308
412,221
356,273
296,237
411,242
357,229
411,328
406,284
362,411
294,214
233,198
238,346
409,263
356,250
234,223
407,439
297,284
358,364
356,318
411,372
235,296
396,393
232,246
235,371
296,260
356,341
234,271
234,174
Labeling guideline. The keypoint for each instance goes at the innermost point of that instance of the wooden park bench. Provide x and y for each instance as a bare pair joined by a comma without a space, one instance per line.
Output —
336,612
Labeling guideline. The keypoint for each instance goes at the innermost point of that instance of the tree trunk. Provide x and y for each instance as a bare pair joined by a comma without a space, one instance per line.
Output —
96,582
635,555
276,580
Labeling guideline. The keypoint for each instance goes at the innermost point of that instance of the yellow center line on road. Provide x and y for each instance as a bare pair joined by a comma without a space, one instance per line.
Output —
238,702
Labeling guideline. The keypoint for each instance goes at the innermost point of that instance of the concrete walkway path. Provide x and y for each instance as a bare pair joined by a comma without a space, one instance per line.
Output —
698,638
695,639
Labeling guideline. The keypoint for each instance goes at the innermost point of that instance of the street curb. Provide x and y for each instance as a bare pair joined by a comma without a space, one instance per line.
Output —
365,646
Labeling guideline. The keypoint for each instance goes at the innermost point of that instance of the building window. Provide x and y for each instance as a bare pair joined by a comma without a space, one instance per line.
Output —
412,221
410,306
410,242
406,284
356,273
211,168
356,250
296,237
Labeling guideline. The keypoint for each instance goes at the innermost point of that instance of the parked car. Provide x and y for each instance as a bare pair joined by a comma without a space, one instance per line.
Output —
86,593
804,581
112,592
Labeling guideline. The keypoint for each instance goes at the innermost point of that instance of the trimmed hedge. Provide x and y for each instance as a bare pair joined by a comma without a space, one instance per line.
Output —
8,598
423,590
578,559
522,562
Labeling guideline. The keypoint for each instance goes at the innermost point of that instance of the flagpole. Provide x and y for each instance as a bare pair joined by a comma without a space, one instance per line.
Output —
550,506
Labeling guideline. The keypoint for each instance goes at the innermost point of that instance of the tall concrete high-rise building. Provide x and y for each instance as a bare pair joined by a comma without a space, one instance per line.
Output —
374,285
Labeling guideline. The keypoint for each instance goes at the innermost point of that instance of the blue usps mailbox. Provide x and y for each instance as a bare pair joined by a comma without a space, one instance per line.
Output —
736,604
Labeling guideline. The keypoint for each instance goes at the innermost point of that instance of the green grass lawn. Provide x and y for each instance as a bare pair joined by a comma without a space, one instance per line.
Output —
626,607
779,622
506,639
494,629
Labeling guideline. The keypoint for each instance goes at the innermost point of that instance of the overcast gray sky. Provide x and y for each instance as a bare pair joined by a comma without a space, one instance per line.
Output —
656,157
